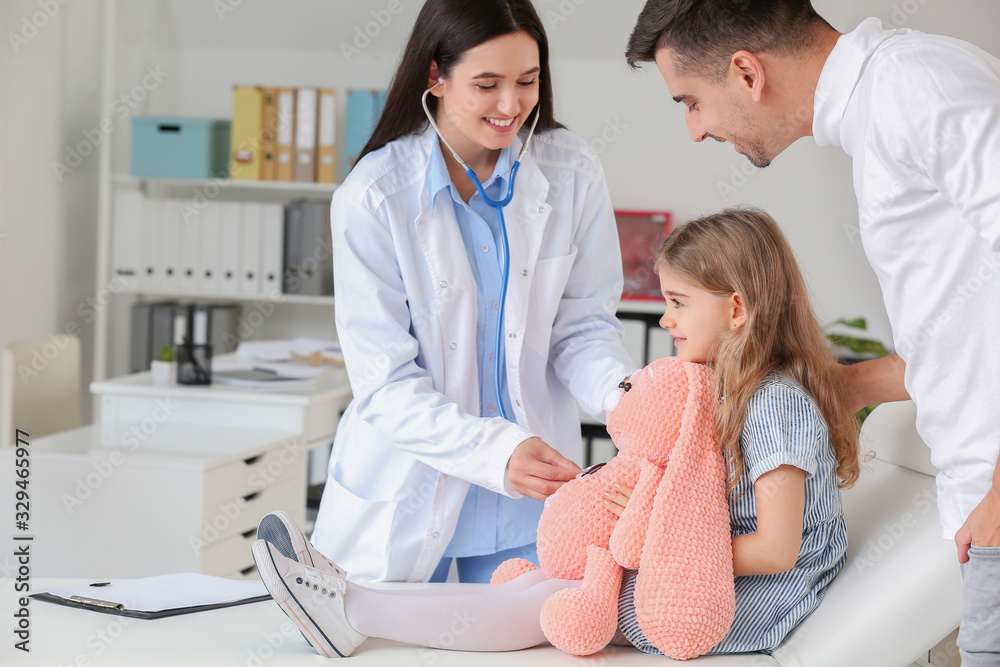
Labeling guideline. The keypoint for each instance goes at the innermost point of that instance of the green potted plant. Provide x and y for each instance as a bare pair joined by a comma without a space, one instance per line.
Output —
164,368
852,349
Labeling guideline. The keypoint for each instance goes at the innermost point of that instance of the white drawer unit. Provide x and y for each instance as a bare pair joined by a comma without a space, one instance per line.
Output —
110,501
312,410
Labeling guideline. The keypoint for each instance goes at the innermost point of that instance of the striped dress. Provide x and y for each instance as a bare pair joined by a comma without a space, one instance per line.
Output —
783,426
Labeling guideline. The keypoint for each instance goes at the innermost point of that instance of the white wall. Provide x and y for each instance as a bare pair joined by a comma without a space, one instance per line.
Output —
50,98
49,77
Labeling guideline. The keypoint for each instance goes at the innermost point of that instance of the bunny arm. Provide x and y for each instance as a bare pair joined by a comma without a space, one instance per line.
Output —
629,532
576,517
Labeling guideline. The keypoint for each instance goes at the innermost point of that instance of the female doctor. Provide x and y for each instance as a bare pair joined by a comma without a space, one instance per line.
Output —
424,467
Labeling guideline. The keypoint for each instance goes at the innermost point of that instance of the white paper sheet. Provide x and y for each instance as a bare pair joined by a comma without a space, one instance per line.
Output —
168,591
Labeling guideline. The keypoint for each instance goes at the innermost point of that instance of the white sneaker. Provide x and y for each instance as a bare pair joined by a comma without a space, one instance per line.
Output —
280,530
311,598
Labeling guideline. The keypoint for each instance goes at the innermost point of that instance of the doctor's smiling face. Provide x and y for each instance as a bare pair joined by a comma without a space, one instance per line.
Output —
489,94
695,317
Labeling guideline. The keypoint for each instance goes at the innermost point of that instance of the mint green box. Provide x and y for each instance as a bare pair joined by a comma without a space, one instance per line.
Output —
173,147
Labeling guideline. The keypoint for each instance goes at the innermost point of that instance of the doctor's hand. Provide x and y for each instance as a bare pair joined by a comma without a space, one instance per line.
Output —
537,470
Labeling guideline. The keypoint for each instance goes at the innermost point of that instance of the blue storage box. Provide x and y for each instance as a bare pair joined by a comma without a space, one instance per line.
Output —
171,147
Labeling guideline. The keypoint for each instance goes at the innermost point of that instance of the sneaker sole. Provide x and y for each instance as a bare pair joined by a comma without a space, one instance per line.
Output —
286,600
273,528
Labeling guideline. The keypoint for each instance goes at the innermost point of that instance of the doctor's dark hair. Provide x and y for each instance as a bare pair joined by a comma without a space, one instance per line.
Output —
742,251
444,31
704,34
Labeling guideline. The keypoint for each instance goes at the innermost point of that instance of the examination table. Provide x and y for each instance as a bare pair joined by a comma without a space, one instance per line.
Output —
898,595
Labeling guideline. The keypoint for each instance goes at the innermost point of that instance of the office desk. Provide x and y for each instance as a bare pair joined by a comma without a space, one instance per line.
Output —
253,635
312,411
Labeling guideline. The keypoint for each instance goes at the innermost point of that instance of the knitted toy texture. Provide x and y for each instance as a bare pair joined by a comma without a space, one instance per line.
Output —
675,529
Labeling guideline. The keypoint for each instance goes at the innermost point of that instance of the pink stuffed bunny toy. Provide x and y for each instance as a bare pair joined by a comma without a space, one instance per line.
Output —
675,529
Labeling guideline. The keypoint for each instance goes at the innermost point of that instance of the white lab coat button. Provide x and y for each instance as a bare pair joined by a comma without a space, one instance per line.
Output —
444,284
454,346
524,273
541,209
436,535
518,401
512,335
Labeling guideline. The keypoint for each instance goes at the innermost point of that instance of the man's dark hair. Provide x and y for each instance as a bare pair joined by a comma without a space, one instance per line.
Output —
704,34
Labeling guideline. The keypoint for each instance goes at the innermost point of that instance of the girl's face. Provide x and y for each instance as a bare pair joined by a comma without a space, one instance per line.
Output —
489,93
695,317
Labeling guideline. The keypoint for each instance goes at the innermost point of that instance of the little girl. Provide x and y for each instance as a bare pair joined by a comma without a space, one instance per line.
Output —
736,301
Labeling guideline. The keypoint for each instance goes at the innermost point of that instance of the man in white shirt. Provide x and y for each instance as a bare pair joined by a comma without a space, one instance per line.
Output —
920,116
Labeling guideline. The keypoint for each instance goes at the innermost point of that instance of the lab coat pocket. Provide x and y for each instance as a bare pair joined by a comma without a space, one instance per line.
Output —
547,291
352,520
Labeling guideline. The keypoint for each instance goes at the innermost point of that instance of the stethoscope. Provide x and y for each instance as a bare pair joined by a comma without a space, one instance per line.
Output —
498,205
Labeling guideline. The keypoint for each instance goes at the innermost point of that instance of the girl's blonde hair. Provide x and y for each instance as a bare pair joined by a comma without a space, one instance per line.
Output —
743,251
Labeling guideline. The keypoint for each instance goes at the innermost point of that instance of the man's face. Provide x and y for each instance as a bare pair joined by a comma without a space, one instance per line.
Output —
720,111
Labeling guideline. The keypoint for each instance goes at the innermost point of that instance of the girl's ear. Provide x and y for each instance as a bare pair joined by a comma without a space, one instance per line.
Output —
433,78
737,311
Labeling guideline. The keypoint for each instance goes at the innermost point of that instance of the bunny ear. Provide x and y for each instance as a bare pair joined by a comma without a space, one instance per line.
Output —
684,595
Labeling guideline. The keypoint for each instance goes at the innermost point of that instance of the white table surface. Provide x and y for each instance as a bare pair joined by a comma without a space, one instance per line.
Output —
253,635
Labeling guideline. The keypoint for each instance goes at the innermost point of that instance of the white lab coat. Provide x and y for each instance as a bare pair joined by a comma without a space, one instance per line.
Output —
920,116
412,440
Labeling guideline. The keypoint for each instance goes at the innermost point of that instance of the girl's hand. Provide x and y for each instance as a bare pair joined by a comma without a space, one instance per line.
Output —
615,500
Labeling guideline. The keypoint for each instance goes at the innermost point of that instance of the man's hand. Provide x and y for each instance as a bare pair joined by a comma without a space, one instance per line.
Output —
537,470
982,528
875,381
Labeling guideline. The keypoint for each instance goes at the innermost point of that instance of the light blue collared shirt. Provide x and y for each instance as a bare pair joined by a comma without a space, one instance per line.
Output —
489,522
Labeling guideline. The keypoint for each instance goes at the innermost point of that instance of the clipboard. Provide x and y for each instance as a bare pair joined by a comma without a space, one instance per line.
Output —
158,597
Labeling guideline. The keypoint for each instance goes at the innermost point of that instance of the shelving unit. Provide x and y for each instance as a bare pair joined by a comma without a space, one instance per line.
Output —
197,52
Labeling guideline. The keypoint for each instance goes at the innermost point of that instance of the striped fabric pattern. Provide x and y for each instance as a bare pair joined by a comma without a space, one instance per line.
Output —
783,426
